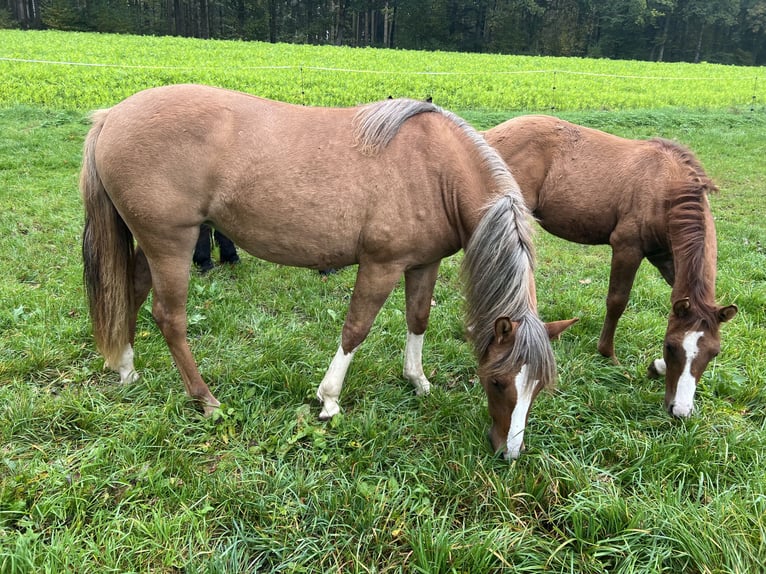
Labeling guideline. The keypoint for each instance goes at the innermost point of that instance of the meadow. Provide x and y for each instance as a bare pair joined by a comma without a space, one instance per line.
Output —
83,71
96,477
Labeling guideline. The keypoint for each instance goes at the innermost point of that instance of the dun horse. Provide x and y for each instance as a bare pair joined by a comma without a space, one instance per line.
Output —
646,199
393,187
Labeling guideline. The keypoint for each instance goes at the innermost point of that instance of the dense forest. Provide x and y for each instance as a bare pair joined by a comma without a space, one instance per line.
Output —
723,31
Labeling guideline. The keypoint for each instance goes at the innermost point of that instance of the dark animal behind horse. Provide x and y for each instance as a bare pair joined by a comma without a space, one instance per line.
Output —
644,198
393,187
203,250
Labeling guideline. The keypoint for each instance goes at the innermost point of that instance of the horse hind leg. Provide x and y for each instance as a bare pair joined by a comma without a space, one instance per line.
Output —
142,284
418,287
374,283
171,284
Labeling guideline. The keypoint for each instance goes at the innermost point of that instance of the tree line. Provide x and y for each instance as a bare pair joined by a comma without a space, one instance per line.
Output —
722,31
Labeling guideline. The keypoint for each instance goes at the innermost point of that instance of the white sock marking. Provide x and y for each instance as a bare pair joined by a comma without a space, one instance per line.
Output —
125,367
413,364
332,383
660,366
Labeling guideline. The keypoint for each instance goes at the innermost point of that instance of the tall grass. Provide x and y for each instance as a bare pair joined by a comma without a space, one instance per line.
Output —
97,477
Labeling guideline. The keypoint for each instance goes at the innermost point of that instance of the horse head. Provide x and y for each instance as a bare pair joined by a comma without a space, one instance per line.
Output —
510,385
692,340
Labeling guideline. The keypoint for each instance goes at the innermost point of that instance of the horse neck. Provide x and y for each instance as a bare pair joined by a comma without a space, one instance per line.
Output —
694,247
467,194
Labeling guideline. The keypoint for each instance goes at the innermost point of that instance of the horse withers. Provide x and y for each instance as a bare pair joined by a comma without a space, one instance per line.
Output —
644,198
393,187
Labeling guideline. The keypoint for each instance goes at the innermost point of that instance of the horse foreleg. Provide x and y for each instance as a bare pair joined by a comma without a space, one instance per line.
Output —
419,288
171,280
373,285
625,263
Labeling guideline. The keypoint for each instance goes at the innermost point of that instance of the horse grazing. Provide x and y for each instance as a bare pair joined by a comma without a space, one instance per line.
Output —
393,186
646,199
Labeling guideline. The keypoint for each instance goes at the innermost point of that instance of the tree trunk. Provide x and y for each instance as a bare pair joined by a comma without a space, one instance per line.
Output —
241,17
273,21
340,19
664,38
386,24
204,17
178,18
699,45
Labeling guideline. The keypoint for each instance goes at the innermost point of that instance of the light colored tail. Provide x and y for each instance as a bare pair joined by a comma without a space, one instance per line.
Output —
107,253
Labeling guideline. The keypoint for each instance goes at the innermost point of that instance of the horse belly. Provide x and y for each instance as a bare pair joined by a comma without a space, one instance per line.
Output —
563,218
276,231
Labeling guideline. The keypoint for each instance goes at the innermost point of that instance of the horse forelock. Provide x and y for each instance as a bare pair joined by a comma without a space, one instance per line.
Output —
531,348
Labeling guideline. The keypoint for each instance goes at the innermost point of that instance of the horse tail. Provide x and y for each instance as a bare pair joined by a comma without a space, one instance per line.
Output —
498,267
107,254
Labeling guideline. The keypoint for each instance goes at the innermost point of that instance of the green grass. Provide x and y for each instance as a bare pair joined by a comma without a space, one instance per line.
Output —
97,477
82,71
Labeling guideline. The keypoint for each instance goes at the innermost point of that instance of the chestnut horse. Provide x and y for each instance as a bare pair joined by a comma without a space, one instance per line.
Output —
646,199
393,186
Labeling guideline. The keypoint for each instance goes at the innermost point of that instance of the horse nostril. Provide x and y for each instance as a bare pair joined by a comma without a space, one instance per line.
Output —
498,451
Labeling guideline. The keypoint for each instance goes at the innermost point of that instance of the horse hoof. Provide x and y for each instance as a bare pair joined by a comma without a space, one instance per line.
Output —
205,266
329,411
422,389
128,377
210,406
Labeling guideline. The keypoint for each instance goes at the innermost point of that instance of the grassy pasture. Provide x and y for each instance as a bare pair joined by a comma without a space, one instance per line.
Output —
84,71
95,477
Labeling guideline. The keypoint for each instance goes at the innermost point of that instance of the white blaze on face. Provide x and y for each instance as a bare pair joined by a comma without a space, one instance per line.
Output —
524,395
683,405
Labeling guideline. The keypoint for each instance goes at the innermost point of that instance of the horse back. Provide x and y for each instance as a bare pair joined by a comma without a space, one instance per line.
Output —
584,184
287,183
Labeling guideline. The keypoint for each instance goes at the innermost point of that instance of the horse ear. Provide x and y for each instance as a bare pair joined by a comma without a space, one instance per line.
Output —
504,329
555,328
727,313
681,307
